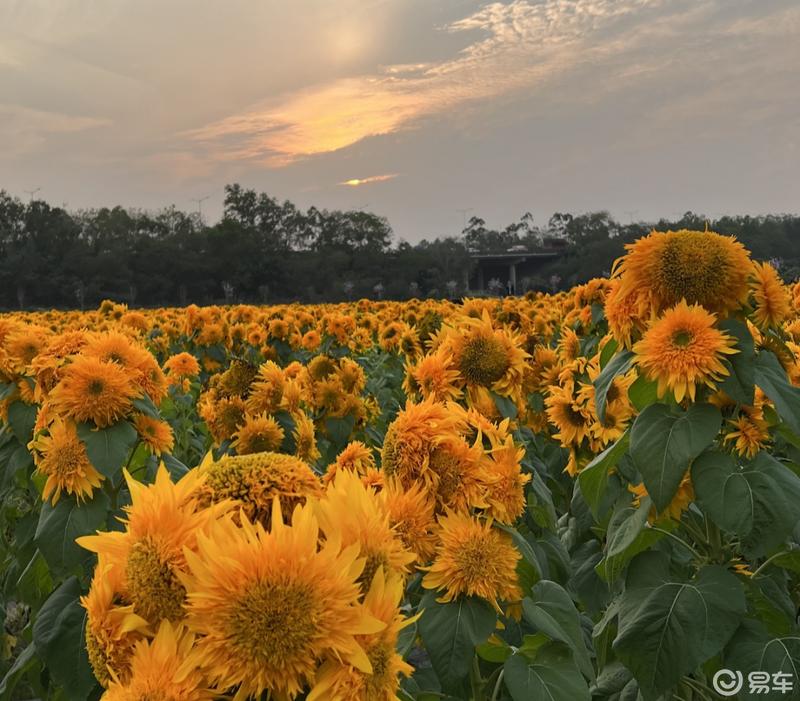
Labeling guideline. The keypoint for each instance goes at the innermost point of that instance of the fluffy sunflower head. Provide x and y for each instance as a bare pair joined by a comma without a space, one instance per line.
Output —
94,390
699,266
255,480
154,433
474,559
771,298
411,515
61,457
683,349
355,457
270,606
258,434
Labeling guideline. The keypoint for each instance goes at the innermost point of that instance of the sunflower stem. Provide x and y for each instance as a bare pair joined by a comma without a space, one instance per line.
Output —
677,538
497,686
767,562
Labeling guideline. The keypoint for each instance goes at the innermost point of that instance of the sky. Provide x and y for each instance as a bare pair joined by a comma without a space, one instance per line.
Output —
427,112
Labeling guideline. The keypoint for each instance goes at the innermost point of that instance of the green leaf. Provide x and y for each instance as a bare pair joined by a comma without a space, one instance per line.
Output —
451,632
753,649
608,352
627,537
506,406
550,676
771,377
24,662
524,547
643,392
339,429
550,610
665,441
145,405
61,524
21,418
58,634
618,365
668,628
108,448
593,479
176,468
758,501
739,385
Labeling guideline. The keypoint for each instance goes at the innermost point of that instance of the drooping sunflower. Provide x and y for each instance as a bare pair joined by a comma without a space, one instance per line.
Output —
356,457
337,681
474,559
61,457
436,377
255,480
95,390
166,667
352,513
411,515
683,349
772,301
161,525
270,606
258,434
112,627
505,482
701,267
304,435
680,502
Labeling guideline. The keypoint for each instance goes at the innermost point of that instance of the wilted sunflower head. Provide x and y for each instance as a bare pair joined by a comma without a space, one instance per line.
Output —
701,267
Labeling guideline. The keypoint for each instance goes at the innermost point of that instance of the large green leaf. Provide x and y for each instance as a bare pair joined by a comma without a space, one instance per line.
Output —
593,479
758,501
739,384
58,634
627,537
61,524
551,676
21,418
550,610
451,632
753,649
668,627
619,364
664,441
771,377
108,448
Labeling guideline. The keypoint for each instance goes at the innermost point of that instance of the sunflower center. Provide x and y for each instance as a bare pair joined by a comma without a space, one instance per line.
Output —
374,561
483,361
95,387
613,393
66,459
274,623
97,657
448,468
380,657
471,560
154,589
682,338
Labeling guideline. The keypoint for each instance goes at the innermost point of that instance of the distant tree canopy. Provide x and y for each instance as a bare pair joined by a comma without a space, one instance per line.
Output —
263,250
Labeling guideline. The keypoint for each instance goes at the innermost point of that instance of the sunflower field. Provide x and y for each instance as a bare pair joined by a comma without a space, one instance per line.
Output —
593,494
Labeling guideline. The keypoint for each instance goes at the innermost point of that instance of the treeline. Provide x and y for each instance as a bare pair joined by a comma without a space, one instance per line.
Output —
263,250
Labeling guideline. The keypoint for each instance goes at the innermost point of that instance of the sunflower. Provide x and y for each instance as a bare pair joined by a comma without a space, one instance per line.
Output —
337,681
701,267
351,513
180,366
772,301
411,515
94,390
505,482
154,433
269,606
165,667
485,356
255,480
61,457
223,417
750,430
304,435
258,434
683,350
112,628
436,377
356,457
571,416
474,559
161,526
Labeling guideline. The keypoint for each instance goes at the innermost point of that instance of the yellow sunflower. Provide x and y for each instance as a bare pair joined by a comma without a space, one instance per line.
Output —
680,502
61,457
701,267
270,606
154,433
258,434
411,515
683,349
772,301
166,667
474,559
95,390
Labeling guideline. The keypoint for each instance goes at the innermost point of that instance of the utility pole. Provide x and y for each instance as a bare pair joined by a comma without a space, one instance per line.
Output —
631,213
31,193
200,201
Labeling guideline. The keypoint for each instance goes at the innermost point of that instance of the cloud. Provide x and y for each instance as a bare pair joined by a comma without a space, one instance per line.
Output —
24,130
524,44
357,182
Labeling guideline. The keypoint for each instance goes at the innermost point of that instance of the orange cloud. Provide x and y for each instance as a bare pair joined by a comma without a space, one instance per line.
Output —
355,182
